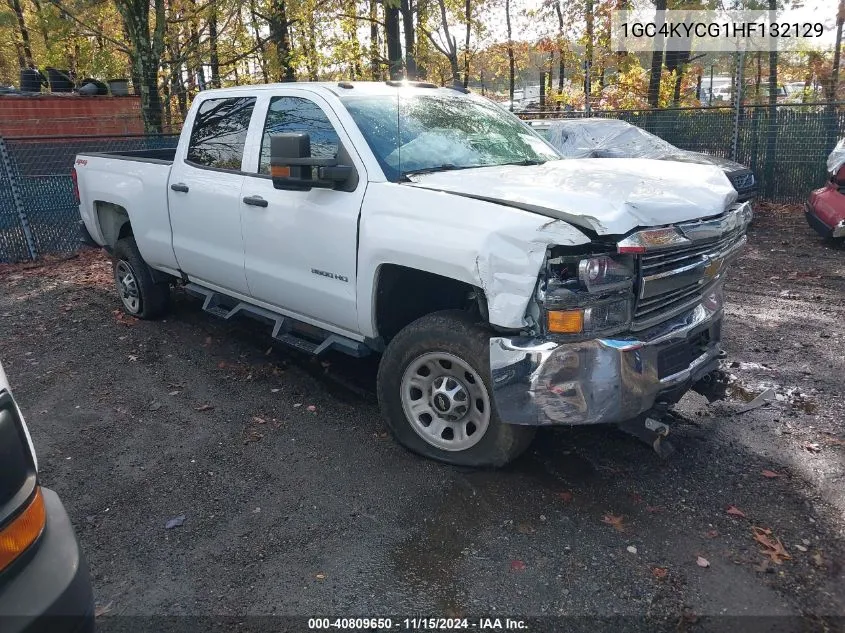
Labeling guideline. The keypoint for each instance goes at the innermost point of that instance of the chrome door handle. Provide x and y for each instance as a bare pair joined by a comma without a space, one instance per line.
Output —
255,201
179,186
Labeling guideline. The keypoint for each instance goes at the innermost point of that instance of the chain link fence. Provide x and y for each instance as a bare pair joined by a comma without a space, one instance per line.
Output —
38,211
787,148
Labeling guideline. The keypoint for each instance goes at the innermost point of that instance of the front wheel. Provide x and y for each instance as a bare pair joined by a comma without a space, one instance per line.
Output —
434,391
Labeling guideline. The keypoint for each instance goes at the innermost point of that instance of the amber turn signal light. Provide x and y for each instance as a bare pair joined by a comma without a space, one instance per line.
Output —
565,321
22,531
279,171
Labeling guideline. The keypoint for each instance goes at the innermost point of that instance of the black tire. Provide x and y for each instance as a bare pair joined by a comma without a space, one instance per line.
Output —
153,299
452,332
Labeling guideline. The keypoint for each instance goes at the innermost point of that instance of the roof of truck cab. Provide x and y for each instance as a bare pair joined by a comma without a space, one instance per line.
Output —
342,88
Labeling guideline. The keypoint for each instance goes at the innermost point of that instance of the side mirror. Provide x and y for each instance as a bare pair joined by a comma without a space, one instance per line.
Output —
292,166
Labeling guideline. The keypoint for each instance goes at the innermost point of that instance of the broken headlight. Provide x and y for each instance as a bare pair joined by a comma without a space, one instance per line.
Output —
587,296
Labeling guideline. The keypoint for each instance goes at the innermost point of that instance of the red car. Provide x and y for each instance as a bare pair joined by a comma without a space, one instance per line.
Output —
825,210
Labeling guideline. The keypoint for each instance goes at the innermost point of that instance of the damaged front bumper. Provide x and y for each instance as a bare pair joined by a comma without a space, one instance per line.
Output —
607,380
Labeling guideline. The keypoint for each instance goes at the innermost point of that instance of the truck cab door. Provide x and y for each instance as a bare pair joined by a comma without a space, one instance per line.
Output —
204,194
301,246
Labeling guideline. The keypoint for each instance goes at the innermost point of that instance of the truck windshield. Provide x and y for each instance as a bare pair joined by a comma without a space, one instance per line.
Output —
418,133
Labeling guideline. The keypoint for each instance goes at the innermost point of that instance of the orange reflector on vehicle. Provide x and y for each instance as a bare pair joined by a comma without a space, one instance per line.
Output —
23,530
280,171
565,321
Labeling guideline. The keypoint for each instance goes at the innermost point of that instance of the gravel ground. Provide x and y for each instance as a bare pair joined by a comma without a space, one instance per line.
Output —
297,502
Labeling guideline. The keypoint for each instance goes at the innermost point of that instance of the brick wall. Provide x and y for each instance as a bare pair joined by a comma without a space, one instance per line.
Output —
69,115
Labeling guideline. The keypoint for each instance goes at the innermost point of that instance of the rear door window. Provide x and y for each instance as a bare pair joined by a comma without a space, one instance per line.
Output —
219,133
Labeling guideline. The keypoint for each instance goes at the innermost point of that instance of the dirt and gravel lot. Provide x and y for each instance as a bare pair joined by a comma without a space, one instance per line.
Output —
297,502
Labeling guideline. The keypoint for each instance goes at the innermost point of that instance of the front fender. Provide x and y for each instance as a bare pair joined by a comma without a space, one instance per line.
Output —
497,248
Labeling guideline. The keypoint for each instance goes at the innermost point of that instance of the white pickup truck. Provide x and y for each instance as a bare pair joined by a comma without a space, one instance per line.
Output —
503,286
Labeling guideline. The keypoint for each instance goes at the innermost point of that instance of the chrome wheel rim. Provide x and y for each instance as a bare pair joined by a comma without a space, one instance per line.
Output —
127,286
446,401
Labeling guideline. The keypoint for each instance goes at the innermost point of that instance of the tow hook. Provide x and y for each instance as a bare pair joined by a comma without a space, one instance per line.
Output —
661,431
651,431
713,386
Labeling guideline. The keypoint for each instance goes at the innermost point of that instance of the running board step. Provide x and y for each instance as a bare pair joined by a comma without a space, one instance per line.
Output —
215,303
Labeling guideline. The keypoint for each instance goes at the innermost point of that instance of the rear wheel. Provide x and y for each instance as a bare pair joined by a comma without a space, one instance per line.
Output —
434,391
139,294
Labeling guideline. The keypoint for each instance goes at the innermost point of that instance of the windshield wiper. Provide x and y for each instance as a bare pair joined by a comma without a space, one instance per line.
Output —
436,168
527,161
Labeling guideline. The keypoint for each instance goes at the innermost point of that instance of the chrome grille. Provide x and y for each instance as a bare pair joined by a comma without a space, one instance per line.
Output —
674,280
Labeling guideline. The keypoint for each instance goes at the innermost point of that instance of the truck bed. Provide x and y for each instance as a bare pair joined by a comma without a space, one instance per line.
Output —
165,155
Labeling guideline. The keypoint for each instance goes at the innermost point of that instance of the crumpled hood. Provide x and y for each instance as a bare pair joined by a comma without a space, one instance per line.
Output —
610,196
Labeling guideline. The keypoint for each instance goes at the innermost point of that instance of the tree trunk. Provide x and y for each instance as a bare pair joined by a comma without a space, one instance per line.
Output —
656,61
590,34
834,74
407,9
375,57
355,71
391,35
421,9
214,58
451,50
279,27
24,46
561,68
772,127
511,62
147,48
468,14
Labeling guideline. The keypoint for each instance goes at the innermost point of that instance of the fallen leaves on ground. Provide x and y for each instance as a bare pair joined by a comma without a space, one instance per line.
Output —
253,436
123,318
88,267
654,509
735,512
711,534
615,521
702,562
772,546
636,497
320,576
203,407
770,474
525,528
312,408
565,496
517,565
659,572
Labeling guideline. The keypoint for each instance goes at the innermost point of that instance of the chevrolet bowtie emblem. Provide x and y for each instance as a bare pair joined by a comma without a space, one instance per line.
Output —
714,265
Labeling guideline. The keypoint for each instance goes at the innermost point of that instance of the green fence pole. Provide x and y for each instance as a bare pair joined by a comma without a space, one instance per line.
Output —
16,197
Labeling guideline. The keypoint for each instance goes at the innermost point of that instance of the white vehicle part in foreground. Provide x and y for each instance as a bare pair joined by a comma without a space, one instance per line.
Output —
836,158
4,384
610,196
495,247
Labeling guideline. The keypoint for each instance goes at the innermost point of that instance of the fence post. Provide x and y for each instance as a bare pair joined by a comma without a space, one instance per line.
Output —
16,197
740,65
